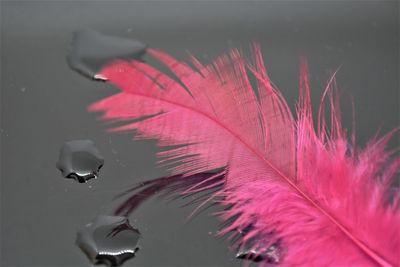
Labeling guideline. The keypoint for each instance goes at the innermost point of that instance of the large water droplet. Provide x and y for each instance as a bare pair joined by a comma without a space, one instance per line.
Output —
90,50
109,240
80,160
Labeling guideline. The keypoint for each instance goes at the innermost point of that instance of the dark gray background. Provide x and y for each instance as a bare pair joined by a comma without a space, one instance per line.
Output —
43,104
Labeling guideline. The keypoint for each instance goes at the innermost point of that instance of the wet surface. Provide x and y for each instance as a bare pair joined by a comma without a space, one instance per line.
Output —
80,160
272,255
251,255
108,240
43,104
90,50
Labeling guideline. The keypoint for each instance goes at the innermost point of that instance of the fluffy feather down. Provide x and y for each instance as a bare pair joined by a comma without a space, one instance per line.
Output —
302,191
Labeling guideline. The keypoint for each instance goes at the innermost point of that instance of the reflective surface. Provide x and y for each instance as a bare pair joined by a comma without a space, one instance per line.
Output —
80,160
43,105
109,240
90,50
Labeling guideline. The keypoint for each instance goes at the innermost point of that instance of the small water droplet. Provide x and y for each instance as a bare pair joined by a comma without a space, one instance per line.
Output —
80,160
91,50
252,255
271,255
109,240
23,89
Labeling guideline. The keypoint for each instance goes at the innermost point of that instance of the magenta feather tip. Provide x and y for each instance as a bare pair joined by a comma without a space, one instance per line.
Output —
308,196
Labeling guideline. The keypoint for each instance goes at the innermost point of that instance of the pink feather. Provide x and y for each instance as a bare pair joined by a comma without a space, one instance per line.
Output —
307,196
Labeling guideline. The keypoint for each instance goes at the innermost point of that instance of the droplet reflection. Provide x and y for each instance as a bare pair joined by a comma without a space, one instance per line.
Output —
80,160
109,240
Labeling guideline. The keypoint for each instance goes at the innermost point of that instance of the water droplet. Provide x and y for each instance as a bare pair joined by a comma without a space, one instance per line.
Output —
109,240
252,255
23,89
90,50
80,160
271,255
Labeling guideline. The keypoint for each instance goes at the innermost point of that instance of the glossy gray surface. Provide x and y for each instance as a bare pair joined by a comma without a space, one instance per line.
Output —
43,104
